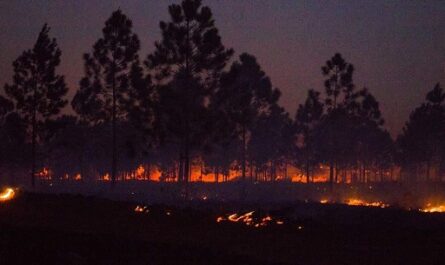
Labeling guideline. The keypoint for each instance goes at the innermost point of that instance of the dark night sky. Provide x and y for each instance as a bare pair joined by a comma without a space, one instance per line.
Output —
397,47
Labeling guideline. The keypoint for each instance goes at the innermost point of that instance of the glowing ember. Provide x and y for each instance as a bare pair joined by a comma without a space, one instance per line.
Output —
77,177
359,202
324,201
249,220
141,209
243,218
7,194
44,174
106,177
433,208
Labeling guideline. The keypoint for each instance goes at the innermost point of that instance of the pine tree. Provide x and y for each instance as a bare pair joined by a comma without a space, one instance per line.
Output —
186,66
307,118
37,91
246,92
338,83
340,101
104,93
423,137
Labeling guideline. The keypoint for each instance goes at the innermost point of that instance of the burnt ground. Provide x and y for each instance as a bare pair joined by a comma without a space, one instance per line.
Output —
68,229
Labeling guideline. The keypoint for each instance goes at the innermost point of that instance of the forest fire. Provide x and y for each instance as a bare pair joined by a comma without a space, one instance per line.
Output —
250,220
359,202
7,194
430,208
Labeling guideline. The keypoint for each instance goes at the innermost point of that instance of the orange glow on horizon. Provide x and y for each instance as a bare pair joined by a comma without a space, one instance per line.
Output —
433,208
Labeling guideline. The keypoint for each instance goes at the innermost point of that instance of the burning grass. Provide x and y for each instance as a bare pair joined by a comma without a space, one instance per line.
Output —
357,202
433,208
249,219
7,194
214,233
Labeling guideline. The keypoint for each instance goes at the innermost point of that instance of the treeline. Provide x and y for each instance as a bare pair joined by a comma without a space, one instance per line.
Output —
189,103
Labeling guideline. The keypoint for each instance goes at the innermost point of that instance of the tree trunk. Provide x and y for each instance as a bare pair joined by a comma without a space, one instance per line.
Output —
148,174
364,179
243,165
33,141
186,164
33,151
180,168
336,173
114,155
331,175
251,170
285,170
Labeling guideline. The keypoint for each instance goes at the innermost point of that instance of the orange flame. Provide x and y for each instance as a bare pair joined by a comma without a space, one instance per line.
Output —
7,194
248,219
141,209
106,177
77,177
359,202
433,208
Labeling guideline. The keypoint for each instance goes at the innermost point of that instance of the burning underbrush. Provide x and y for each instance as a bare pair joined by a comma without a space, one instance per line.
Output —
140,232
8,194
251,219
357,202
430,208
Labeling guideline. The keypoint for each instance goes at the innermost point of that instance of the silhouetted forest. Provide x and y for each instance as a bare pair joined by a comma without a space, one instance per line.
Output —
191,109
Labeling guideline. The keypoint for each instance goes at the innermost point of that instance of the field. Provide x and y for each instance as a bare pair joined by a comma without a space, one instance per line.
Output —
73,229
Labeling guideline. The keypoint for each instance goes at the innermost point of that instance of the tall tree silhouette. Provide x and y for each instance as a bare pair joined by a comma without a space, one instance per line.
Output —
104,91
307,118
6,106
371,142
245,93
271,140
37,91
186,66
338,81
423,137
339,101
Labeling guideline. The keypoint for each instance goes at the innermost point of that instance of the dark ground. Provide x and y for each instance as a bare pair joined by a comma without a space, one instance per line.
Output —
67,229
